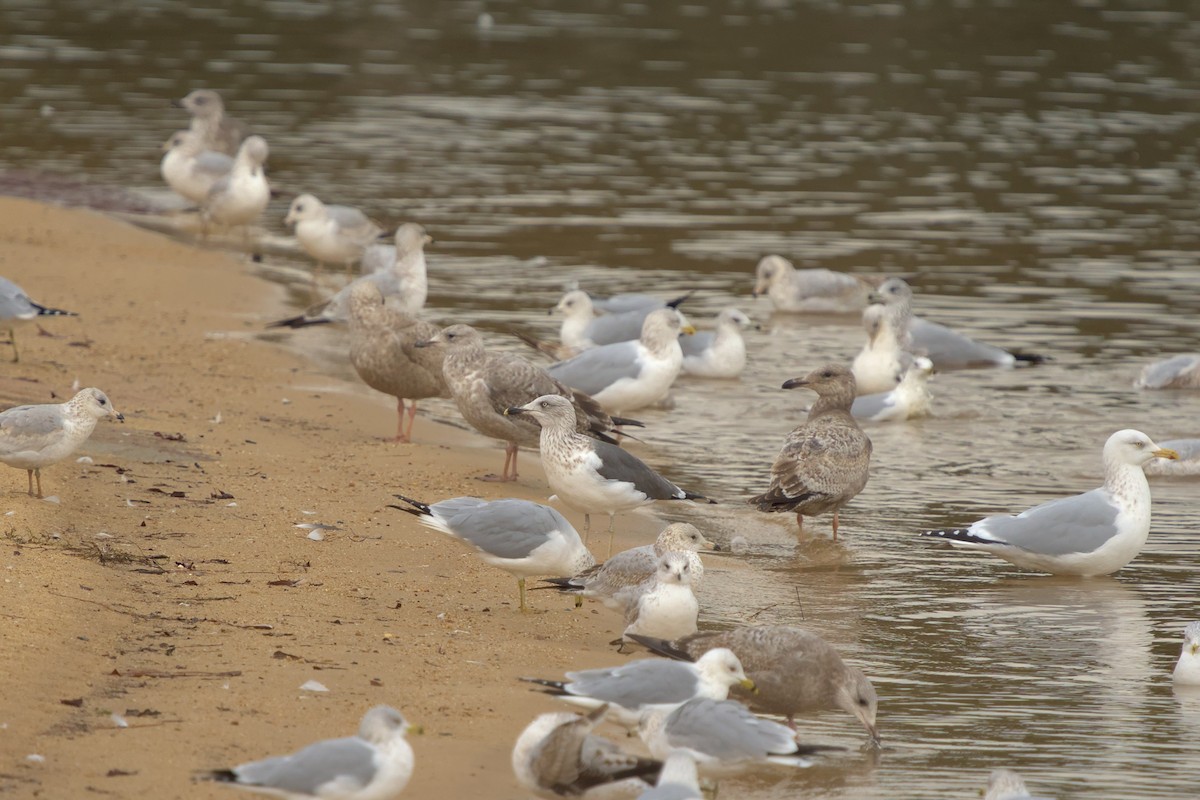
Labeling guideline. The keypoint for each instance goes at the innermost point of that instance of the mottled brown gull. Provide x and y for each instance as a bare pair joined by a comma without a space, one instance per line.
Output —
825,462
16,309
811,290
795,671
331,234
383,352
637,565
590,476
485,384
557,755
1094,533
32,437
216,130
629,375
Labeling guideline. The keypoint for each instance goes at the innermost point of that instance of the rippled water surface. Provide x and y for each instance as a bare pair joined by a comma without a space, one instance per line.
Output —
1029,166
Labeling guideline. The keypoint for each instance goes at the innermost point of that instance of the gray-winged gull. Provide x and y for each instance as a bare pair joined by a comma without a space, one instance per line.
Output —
383,352
331,234
374,765
591,476
557,755
486,385
629,688
401,279
523,538
910,398
1187,668
189,169
1177,372
217,130
1004,784
664,607
1187,465
242,195
633,301
795,671
679,780
719,353
582,329
16,309
637,565
32,437
812,290
723,736
825,462
885,357
629,375
1095,533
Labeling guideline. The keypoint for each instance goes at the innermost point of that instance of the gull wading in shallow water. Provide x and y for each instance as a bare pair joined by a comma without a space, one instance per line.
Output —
1177,372
812,290
1095,533
1187,668
331,234
582,329
719,353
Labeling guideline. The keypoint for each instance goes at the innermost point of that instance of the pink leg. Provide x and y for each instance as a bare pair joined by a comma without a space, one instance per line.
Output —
800,521
510,458
835,523
401,436
412,417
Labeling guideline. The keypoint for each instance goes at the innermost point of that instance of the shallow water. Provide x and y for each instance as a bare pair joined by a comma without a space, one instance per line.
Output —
1031,167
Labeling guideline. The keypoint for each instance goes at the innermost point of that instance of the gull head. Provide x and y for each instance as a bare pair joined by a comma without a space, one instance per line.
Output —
663,326
95,403
769,271
382,723
735,318
550,410
202,103
856,695
304,207
674,568
410,238
454,339
364,295
681,537
832,381
254,149
721,666
1135,448
1191,639
575,303
892,292
179,139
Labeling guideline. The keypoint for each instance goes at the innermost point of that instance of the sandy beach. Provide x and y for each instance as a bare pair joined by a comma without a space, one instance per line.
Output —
169,586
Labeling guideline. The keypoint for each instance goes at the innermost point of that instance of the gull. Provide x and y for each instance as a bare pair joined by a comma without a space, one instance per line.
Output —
887,354
557,755
374,765
383,352
910,398
331,234
811,290
523,538
400,279
722,736
485,385
1187,668
633,301
1004,784
825,462
16,309
217,131
679,779
582,329
190,169
592,476
1095,533
720,353
637,565
242,195
794,670
32,437
1177,372
631,687
664,607
1186,466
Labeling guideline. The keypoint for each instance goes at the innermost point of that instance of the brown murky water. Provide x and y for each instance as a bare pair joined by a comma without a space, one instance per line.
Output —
1032,167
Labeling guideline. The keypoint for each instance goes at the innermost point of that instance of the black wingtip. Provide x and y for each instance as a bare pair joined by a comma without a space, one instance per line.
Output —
221,776
661,646
1031,358
419,509
555,688
561,584
43,311
297,322
957,535
633,423
678,301
693,496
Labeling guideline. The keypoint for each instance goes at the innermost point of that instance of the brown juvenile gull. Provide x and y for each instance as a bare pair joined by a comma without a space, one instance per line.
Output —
590,476
796,671
485,384
384,353
16,309
825,462
32,437
637,565
557,755
217,130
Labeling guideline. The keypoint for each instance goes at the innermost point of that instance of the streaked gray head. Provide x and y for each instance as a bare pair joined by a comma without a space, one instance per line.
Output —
306,206
662,326
382,723
769,270
552,411
682,536
411,237
254,149
892,292
575,303
364,295
674,568
1133,447
203,103
856,694
95,403
456,338
1004,783
833,383
1191,635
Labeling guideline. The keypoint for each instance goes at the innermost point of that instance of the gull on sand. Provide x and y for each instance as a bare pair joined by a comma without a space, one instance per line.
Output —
374,765
16,309
523,538
794,670
215,129
32,437
331,234
665,607
1095,533
825,462
189,169
720,353
808,290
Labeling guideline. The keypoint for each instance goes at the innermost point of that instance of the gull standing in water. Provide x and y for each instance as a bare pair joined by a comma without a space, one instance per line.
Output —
592,476
1187,668
582,329
1095,533
16,309
720,353
808,290
331,234
910,398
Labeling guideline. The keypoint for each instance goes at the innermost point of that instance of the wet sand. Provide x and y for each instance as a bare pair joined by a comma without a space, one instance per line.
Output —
169,585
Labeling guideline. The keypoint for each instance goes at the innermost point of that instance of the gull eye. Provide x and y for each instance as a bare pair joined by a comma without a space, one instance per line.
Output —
102,401
1139,444
545,404
863,702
